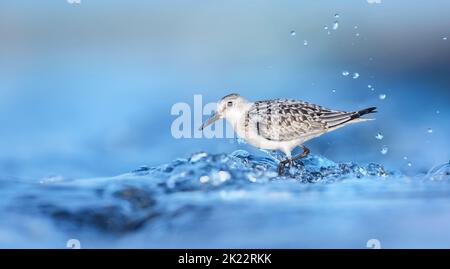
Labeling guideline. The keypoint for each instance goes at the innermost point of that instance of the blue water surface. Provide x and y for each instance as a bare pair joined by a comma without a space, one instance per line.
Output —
232,200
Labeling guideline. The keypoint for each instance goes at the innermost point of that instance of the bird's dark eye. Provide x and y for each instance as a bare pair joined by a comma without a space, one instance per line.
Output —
230,103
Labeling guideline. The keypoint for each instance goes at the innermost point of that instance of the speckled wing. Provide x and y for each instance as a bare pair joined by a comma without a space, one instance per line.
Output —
285,120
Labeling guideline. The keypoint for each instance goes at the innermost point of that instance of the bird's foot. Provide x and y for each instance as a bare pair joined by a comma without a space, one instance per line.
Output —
291,161
282,165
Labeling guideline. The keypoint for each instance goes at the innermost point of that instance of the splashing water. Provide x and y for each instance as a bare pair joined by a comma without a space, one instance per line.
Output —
335,25
217,200
439,173
379,136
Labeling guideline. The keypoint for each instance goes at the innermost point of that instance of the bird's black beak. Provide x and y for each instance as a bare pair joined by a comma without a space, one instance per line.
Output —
216,116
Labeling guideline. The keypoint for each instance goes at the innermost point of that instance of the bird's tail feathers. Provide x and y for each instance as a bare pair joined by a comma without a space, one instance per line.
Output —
365,111
361,120
351,117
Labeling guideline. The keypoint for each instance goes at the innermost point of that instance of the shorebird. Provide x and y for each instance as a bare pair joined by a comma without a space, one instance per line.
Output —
281,124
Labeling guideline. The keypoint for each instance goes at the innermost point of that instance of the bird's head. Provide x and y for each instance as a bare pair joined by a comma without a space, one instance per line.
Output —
230,106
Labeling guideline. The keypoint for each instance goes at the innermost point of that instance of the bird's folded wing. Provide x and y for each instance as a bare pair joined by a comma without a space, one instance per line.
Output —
284,120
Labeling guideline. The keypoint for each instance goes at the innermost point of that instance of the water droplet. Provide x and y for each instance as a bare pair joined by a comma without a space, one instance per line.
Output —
382,96
444,38
333,90
198,156
345,73
251,177
355,75
409,164
438,112
355,27
357,34
325,27
379,136
224,176
336,15
369,86
305,42
204,179
405,158
430,131
384,150
335,25
293,33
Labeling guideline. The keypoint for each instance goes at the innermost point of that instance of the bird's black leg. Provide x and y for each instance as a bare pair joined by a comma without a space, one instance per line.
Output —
289,161
282,164
303,155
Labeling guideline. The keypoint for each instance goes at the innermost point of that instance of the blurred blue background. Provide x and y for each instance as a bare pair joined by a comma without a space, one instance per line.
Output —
86,89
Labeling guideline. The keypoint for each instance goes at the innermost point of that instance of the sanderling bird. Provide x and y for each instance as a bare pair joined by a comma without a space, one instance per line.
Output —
281,124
